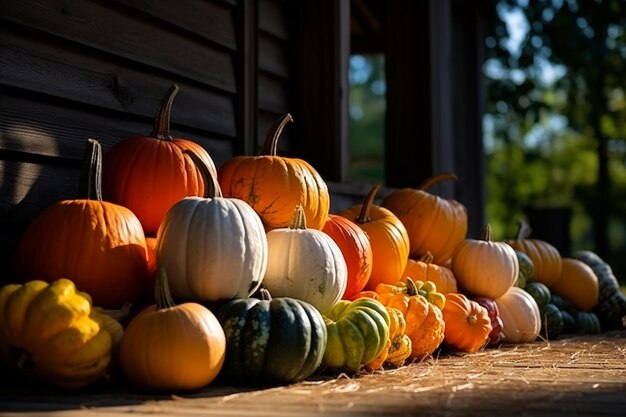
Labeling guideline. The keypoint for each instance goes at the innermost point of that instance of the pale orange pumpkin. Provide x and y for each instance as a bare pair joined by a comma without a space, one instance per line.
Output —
484,267
467,323
388,237
578,284
434,224
545,257
273,185
425,270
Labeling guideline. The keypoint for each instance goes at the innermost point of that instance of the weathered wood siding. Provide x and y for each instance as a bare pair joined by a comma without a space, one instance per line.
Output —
97,69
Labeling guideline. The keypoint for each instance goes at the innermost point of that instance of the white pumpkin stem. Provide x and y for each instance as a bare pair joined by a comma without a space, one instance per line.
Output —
427,258
162,294
264,294
211,187
161,129
90,182
270,146
523,230
487,233
435,179
364,215
298,221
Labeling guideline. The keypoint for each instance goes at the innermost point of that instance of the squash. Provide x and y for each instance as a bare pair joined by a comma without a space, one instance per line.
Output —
100,246
149,173
305,264
540,293
578,284
520,316
169,347
551,322
425,270
587,322
611,306
388,237
398,345
546,258
424,321
434,224
526,269
358,331
468,324
399,351
227,241
272,340
496,336
484,267
273,185
49,331
356,249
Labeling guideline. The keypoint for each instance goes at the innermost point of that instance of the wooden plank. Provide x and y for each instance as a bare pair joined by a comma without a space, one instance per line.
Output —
274,94
274,56
143,42
213,21
52,129
274,19
58,69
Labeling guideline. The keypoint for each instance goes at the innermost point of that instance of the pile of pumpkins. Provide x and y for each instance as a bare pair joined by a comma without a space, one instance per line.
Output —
243,273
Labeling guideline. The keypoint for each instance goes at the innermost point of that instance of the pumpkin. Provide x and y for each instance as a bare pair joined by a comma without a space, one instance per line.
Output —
273,185
546,258
496,336
98,245
272,340
227,240
520,316
468,324
47,331
356,249
305,264
434,224
425,270
586,322
399,351
484,267
172,347
611,306
149,173
358,331
578,284
526,269
388,238
362,294
424,322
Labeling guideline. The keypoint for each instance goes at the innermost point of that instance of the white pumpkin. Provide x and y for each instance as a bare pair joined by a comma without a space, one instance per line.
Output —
305,264
519,312
212,248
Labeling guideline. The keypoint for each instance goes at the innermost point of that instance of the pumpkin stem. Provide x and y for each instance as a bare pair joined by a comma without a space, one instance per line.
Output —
523,230
411,288
162,293
90,182
211,187
161,129
471,319
435,179
364,215
119,314
298,221
427,258
270,146
264,294
487,233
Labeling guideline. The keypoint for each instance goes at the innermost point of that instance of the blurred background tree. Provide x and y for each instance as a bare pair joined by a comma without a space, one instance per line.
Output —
555,122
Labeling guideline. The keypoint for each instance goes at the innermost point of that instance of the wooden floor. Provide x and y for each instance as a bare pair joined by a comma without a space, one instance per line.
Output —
581,376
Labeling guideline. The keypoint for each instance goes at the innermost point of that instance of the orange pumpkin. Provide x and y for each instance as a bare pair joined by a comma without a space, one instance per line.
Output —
467,323
434,224
484,267
388,237
545,257
149,173
356,249
273,185
425,270
98,245
578,284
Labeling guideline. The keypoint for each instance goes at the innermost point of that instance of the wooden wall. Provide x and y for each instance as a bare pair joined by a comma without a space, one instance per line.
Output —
72,70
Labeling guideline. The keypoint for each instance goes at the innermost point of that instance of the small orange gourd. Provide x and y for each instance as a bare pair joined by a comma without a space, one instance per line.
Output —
467,323
425,270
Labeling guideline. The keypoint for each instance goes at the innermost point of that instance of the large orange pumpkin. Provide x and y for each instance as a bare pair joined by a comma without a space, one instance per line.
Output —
98,245
149,173
388,237
467,323
545,257
425,270
434,224
356,249
273,185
